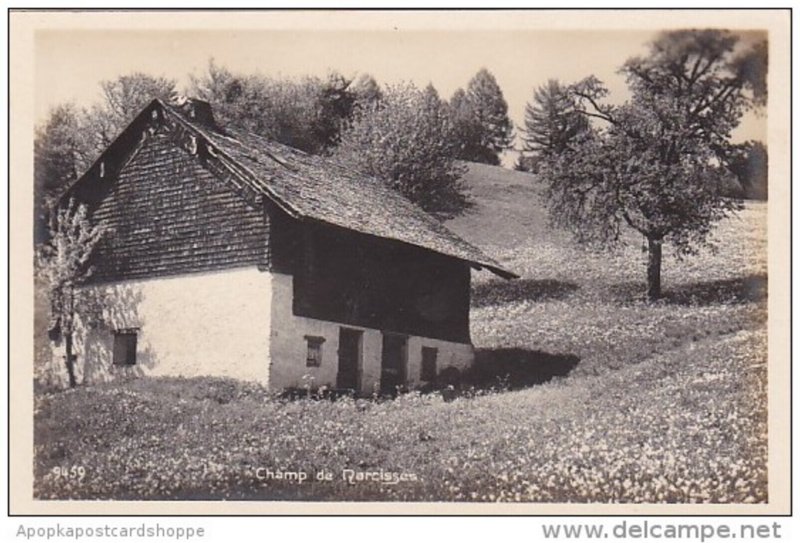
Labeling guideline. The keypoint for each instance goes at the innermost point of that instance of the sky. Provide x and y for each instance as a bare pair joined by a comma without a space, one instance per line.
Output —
70,64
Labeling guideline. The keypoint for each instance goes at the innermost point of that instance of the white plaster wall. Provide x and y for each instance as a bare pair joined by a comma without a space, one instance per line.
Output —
203,324
458,355
288,348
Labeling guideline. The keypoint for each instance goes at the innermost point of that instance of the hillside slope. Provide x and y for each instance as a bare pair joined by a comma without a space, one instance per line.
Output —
571,303
509,221
508,208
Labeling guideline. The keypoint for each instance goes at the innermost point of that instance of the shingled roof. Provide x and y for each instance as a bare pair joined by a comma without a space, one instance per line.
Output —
315,188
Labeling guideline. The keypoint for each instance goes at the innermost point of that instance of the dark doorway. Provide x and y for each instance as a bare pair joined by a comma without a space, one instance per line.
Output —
349,358
393,362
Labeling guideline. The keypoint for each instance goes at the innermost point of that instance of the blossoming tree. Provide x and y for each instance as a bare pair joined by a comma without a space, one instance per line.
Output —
62,264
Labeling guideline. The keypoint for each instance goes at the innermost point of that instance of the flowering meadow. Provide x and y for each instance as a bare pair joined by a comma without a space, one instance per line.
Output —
663,403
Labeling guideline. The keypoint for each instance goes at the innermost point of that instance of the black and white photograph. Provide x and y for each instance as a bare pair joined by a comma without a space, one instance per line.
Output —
400,257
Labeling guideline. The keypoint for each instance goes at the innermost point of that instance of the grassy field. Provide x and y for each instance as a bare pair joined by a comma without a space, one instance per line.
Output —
663,403
592,305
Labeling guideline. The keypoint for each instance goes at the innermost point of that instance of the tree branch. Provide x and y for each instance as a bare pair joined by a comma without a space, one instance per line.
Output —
601,113
596,115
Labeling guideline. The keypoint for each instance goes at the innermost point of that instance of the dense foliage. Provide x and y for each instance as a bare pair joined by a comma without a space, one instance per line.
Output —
56,150
748,161
406,140
307,113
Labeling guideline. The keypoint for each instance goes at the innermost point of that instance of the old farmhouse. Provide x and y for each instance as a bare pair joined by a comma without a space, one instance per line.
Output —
231,255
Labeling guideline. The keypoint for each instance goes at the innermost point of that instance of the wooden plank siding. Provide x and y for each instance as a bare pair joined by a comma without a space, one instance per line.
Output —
347,277
169,215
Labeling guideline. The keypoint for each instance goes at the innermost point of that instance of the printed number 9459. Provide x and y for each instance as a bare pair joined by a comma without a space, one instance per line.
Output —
72,472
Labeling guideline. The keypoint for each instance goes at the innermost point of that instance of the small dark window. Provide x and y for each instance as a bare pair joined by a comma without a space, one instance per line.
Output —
314,351
429,355
125,348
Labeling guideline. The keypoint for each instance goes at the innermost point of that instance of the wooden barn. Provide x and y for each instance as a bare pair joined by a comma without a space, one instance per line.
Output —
231,255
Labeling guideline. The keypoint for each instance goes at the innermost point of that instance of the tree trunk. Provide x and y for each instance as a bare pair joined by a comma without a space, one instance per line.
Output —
653,268
70,360
68,332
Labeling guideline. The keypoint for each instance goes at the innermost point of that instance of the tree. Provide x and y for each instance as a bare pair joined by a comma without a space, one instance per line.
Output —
308,114
62,265
334,101
657,162
56,150
432,100
748,162
467,131
366,90
406,140
551,122
221,88
481,118
282,110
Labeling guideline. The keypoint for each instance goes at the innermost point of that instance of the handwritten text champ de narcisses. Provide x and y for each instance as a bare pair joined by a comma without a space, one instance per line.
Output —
349,476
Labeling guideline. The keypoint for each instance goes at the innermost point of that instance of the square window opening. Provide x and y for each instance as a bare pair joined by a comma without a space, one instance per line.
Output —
314,351
125,347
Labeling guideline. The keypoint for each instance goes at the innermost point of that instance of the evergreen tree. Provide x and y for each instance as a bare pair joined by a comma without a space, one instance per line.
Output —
551,122
480,115
466,130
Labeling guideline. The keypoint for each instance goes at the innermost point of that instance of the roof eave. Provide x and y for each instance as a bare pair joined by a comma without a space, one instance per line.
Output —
500,272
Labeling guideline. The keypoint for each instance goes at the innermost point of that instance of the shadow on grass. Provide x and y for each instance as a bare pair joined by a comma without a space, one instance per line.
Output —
515,368
739,290
535,290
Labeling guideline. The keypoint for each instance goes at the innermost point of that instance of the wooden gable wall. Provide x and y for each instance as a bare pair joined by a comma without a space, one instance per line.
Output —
168,214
